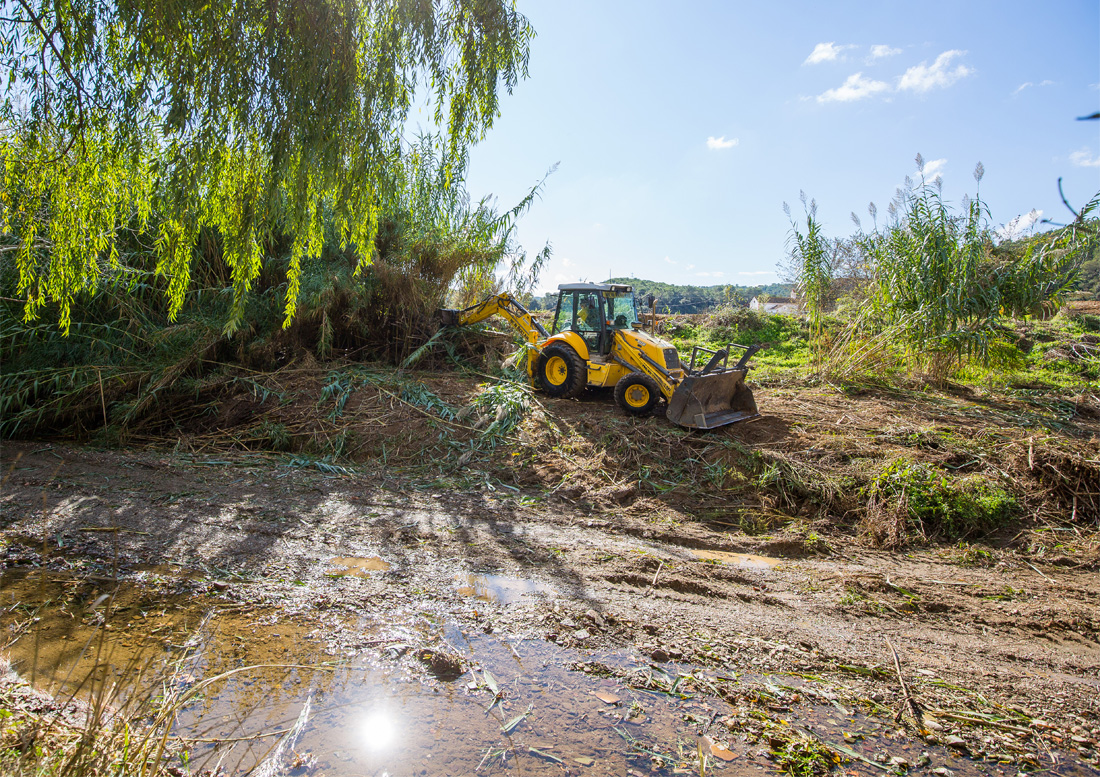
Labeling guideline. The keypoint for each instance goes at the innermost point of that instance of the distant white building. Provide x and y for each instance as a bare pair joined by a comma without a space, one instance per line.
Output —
788,306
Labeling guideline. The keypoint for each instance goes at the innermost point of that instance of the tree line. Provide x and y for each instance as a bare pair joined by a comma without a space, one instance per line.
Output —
676,298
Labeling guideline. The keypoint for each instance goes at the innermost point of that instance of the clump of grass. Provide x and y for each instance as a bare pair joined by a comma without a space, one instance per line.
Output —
102,735
499,410
799,754
276,436
910,499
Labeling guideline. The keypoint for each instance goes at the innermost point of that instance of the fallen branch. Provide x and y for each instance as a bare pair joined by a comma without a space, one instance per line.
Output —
906,696
659,565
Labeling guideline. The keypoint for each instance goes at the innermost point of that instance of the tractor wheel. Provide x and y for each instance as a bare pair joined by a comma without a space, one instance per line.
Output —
637,393
561,371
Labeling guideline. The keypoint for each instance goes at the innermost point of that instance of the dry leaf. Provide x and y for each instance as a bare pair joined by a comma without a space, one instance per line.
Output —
720,751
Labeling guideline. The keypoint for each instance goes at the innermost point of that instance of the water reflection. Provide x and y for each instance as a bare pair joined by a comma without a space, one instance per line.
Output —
499,589
378,731
736,559
357,566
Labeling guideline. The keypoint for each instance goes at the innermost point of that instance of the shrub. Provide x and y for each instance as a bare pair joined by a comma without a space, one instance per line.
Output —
908,498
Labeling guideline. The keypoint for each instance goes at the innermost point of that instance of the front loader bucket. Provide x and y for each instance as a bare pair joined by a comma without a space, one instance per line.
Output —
712,400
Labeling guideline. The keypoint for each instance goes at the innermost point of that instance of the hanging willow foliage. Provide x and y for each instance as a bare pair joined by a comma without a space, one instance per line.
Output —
257,118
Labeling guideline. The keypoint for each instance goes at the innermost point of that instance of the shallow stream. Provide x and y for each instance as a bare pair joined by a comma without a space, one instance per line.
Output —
271,693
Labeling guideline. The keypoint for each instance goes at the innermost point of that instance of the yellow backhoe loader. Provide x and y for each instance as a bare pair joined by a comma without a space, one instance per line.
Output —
596,340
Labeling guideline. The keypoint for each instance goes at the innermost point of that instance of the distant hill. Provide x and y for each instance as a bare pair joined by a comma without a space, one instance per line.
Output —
673,298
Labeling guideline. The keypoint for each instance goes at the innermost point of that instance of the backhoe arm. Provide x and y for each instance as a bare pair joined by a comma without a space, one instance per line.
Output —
504,305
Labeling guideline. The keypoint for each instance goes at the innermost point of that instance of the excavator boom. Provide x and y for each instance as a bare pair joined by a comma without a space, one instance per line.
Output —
504,305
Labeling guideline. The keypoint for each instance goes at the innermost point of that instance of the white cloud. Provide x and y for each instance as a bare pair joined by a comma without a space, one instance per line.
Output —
713,142
1084,158
717,274
670,261
690,267
757,272
1019,226
919,78
597,225
880,51
923,77
825,52
855,88
934,169
1029,84
567,262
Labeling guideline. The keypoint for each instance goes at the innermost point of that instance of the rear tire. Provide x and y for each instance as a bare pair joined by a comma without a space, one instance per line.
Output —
637,394
561,371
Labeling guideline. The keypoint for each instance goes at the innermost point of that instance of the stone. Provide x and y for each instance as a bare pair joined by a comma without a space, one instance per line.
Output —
659,655
595,617
954,741
581,634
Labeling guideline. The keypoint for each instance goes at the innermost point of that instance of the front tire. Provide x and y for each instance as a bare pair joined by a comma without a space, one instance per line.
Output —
561,371
637,394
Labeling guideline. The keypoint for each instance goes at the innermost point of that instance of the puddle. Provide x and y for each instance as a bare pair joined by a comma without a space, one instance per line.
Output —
736,559
364,711
357,566
499,589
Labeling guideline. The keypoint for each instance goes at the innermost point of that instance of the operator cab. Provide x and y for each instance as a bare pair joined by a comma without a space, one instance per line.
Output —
594,311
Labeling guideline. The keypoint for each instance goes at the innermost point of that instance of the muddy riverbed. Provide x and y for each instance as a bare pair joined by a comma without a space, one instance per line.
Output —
361,623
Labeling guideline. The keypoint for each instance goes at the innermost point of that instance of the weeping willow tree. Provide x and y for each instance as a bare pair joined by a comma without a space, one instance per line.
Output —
433,241
258,119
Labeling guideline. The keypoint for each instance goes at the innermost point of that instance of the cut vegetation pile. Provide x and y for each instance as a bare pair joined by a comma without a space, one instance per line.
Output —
891,464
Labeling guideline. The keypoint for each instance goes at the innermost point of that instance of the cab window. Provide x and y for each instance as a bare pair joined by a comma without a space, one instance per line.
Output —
621,310
563,321
588,313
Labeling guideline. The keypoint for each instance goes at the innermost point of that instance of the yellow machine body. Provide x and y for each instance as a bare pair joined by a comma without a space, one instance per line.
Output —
596,341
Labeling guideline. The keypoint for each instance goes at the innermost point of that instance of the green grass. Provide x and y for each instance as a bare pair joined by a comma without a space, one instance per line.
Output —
785,337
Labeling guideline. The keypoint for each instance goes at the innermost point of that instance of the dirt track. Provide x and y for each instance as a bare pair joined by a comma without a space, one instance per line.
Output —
993,641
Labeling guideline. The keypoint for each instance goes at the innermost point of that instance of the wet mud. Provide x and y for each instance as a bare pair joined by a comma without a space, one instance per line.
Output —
353,625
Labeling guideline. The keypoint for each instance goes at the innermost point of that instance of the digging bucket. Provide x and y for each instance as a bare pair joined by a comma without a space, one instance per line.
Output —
712,400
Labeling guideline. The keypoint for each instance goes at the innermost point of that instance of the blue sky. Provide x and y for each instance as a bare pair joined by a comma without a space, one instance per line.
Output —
681,128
